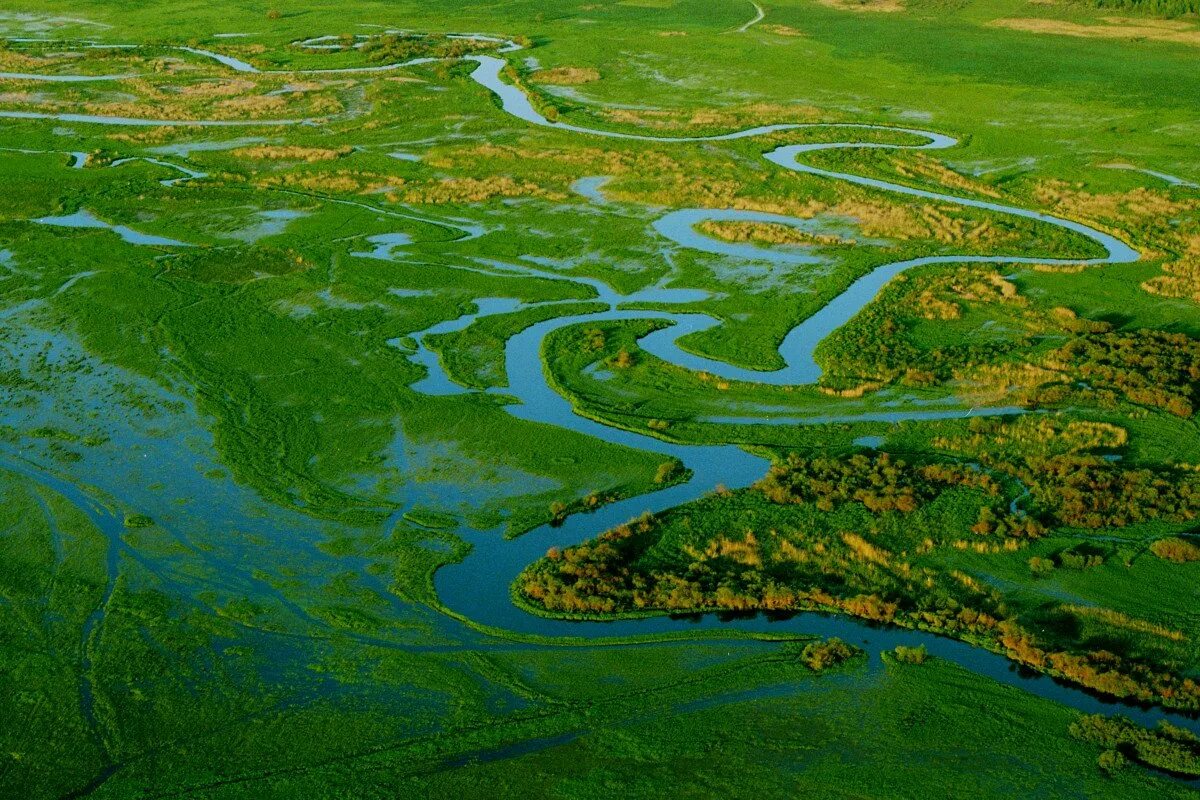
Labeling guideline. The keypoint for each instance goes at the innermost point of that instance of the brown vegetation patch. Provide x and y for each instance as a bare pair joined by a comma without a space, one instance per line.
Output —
217,88
253,105
765,233
919,165
1140,203
1158,30
292,153
475,190
880,6
340,182
1181,551
781,30
567,76
1180,278
734,116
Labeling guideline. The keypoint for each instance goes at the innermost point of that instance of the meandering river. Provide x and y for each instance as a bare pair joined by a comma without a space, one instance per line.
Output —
478,587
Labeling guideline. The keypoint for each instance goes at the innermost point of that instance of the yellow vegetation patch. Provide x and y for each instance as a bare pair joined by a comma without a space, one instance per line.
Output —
217,88
883,219
1141,203
12,61
140,111
673,187
734,116
1180,278
965,284
304,87
865,551
567,76
934,307
968,581
475,190
993,382
597,160
254,105
22,98
340,182
292,153
881,6
1173,548
1170,219
745,551
901,222
854,391
916,165
1065,269
1038,435
764,233
145,135
781,30
1119,620
1158,30
789,552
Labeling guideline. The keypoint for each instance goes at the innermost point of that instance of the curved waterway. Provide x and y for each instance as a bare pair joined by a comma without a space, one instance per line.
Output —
479,586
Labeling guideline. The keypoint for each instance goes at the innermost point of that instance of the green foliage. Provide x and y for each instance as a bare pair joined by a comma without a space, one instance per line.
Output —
820,656
1167,747
1151,368
882,485
910,655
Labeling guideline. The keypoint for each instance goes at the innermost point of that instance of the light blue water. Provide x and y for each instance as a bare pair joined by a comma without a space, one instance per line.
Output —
1162,176
185,149
436,381
386,245
269,223
591,188
680,227
85,219
189,174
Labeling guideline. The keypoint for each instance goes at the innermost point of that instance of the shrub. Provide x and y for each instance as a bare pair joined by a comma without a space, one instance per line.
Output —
819,656
1040,566
1175,549
1111,761
911,655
